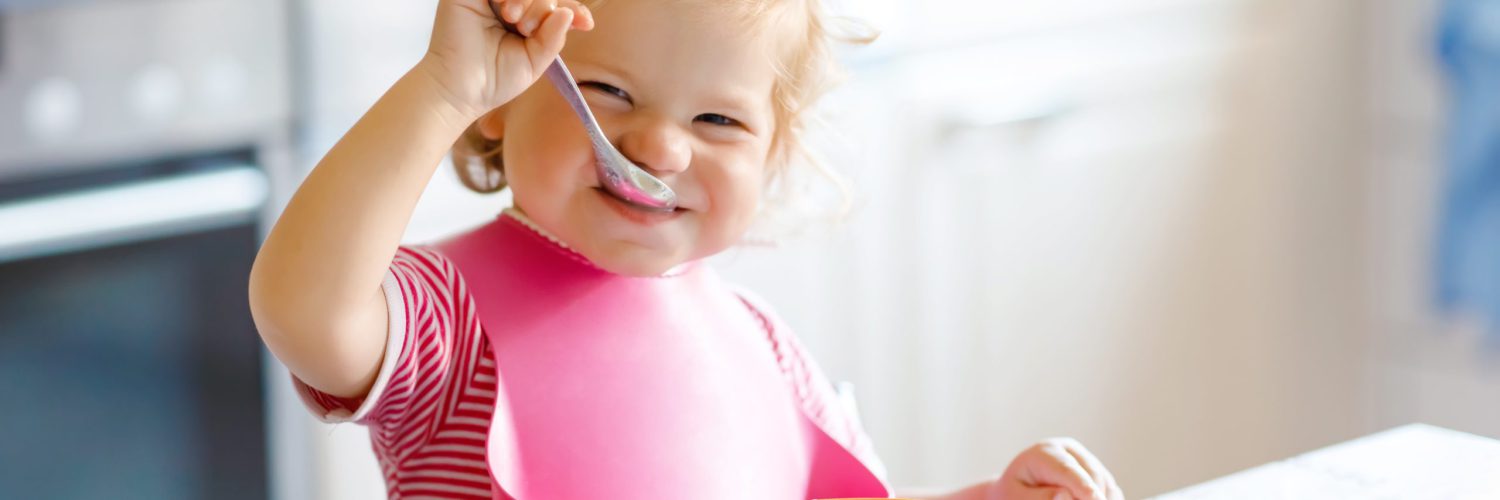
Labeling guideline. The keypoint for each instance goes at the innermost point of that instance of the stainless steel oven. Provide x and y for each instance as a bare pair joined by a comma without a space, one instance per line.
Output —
138,143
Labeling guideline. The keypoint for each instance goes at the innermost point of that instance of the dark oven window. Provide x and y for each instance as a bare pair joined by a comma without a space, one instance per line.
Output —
132,371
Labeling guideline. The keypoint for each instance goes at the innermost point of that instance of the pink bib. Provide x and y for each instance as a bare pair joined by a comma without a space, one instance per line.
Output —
614,387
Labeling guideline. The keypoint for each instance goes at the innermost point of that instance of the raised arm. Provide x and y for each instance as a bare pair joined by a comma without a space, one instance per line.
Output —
315,288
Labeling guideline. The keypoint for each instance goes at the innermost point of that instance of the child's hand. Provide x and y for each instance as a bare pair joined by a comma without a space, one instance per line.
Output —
1054,469
479,65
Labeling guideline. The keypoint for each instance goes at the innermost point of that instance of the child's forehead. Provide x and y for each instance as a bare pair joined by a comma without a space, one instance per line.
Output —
754,28
704,40
743,11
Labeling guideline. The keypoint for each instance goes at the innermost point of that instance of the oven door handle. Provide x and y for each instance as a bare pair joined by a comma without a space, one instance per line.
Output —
131,212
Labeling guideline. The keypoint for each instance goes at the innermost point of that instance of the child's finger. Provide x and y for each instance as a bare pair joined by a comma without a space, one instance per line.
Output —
549,38
1102,477
512,9
583,19
1045,493
535,14
1065,471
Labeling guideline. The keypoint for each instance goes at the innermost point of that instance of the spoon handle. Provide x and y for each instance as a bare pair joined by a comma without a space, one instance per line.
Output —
558,74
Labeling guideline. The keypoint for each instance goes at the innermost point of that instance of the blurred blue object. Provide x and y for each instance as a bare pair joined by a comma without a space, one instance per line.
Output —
1468,246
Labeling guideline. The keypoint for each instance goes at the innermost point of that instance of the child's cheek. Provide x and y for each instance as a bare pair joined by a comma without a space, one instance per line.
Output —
740,188
561,140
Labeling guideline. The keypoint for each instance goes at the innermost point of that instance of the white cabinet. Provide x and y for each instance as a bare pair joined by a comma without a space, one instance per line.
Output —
1113,221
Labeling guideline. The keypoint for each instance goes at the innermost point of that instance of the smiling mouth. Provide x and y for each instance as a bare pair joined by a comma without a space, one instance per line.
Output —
610,194
634,213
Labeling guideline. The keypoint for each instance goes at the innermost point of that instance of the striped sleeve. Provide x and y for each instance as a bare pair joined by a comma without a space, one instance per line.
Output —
428,308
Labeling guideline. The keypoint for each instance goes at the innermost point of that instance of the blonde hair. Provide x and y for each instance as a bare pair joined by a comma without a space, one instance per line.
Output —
806,70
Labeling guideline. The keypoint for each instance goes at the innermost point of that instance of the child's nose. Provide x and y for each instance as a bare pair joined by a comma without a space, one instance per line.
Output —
657,145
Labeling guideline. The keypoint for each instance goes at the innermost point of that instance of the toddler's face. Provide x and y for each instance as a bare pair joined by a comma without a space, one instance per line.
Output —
683,89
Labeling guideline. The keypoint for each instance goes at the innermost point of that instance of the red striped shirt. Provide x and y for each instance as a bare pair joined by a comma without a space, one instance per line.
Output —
429,411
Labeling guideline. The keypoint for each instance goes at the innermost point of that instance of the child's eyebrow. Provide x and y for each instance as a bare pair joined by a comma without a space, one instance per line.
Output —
731,99
610,68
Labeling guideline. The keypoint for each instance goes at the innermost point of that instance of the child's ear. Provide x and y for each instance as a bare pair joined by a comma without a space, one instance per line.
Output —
492,124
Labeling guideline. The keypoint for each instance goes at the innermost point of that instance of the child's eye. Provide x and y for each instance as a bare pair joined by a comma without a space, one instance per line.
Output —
717,119
606,88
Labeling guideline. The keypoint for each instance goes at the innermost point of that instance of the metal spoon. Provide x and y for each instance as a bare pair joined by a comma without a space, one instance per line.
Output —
620,176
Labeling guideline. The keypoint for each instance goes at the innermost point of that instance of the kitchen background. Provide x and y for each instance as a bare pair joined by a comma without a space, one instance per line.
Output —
1198,235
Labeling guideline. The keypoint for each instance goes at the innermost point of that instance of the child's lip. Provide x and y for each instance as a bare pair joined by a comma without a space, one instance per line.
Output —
634,213
680,207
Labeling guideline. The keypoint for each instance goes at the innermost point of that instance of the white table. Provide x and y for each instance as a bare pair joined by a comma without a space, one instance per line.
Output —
1410,462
